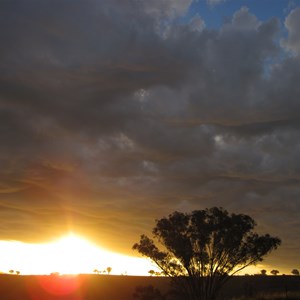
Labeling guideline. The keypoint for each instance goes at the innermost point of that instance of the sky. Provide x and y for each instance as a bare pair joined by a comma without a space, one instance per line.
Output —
115,113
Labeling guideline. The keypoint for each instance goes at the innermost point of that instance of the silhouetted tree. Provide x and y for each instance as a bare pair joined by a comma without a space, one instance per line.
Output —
18,272
274,272
11,271
151,272
203,249
263,272
295,272
96,271
108,269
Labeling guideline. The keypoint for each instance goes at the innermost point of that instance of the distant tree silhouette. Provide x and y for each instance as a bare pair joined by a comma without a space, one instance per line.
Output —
55,274
108,269
203,249
18,272
96,271
274,272
152,273
263,272
295,272
11,271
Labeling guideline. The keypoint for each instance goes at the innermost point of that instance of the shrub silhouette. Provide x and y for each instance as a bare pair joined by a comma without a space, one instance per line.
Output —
274,272
263,272
148,293
295,272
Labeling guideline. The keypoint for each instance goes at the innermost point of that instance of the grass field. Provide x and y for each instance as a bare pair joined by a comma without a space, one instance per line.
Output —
109,287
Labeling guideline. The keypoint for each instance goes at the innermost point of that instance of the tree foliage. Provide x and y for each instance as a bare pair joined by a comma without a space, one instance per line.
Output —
295,272
263,272
201,250
274,272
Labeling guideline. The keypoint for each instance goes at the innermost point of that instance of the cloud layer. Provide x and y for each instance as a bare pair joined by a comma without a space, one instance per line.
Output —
113,114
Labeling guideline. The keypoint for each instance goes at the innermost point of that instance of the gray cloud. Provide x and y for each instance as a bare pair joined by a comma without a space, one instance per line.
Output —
292,24
166,8
106,124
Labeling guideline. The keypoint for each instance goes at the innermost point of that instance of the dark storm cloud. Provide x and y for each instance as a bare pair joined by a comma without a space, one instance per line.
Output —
113,114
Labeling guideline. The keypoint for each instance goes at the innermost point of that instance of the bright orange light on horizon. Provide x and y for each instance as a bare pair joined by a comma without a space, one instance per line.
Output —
71,254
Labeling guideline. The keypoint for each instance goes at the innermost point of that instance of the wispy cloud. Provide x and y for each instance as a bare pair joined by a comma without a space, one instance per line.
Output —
214,2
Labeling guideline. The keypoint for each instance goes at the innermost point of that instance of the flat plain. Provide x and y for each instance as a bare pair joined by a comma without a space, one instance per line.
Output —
111,287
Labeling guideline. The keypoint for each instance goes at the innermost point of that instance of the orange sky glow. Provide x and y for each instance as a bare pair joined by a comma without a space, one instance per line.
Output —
73,254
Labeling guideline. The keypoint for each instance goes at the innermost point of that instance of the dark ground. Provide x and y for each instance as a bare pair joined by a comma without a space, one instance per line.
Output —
109,287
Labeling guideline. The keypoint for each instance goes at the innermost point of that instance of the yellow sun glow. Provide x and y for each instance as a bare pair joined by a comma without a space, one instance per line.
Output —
69,255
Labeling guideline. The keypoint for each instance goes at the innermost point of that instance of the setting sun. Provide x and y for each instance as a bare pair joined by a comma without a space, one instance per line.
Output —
71,254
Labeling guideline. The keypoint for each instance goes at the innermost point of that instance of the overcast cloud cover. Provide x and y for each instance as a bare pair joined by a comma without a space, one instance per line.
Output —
113,114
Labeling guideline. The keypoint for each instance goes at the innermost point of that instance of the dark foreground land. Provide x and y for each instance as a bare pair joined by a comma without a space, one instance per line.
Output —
109,287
